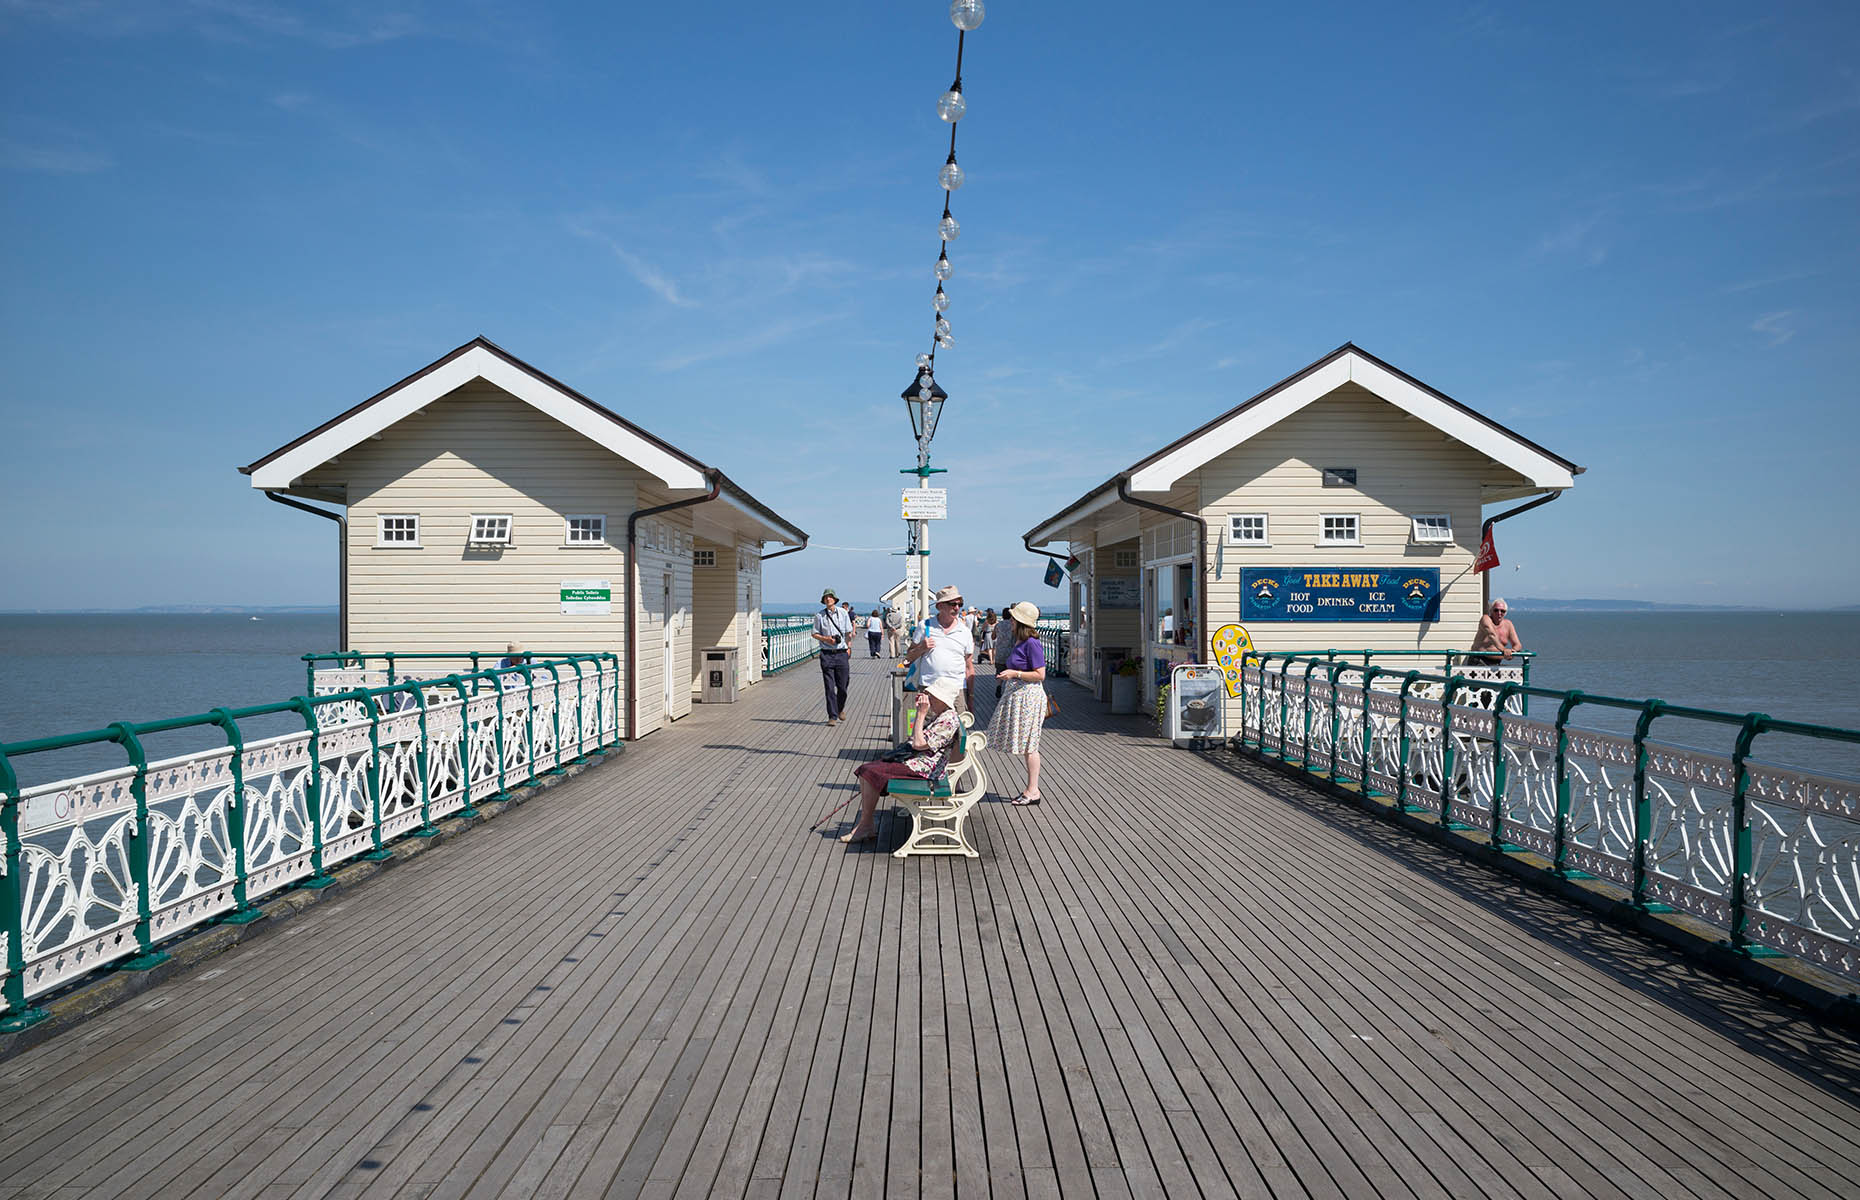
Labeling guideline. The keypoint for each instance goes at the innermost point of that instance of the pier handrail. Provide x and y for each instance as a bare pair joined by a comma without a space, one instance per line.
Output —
1764,851
152,849
787,640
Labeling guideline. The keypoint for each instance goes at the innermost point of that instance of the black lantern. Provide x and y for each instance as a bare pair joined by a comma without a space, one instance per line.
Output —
925,409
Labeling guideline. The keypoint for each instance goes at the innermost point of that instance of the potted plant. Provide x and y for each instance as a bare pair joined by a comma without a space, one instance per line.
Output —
1126,686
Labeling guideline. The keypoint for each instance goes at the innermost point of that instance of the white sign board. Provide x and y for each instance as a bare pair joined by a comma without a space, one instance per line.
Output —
587,598
926,504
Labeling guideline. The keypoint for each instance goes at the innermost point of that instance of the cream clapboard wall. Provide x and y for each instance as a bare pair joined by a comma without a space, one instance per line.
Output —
479,450
1404,467
664,547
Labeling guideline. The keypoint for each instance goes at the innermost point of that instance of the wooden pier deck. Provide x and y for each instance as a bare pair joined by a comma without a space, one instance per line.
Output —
1177,977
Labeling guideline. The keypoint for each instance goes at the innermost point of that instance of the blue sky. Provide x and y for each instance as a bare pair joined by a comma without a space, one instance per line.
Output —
1626,231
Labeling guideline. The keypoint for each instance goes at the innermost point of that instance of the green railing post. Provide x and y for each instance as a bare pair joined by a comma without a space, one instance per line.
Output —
243,911
458,685
619,709
1740,826
1335,724
1285,700
503,788
19,1014
427,828
1369,678
389,655
1643,808
309,674
1447,756
1501,776
1561,847
1401,767
555,711
581,720
529,702
313,793
1304,750
380,853
124,735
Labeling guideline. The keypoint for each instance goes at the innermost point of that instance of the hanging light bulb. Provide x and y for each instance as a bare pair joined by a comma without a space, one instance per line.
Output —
923,392
950,176
948,229
950,106
924,381
923,362
967,14
942,327
943,269
942,299
944,341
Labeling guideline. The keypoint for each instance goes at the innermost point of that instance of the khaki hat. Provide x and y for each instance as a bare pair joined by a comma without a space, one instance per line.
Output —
515,648
1025,613
952,592
825,592
945,690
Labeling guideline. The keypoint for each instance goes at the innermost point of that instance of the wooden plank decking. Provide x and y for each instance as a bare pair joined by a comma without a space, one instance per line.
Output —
1178,976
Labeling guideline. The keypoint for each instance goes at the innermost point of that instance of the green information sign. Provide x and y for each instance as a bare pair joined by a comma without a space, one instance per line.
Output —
587,597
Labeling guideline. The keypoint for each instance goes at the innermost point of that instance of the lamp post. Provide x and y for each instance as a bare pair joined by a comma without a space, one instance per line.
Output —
924,400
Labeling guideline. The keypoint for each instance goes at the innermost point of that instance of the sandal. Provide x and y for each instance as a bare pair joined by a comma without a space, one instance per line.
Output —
1024,801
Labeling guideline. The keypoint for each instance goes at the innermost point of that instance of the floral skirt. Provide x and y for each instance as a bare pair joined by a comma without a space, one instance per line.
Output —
1019,715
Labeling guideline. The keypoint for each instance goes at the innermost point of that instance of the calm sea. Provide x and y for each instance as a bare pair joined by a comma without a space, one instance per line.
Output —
63,673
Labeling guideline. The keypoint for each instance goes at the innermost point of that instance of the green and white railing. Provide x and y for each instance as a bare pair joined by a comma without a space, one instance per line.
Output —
786,641
1768,853
1056,643
100,870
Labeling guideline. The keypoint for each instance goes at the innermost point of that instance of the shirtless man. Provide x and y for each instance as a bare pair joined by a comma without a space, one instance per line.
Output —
1497,638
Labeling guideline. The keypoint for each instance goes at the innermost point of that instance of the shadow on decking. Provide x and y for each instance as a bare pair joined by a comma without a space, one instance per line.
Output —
1752,1020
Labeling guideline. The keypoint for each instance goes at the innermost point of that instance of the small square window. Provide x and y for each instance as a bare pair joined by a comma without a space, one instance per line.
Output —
585,530
1433,527
1339,529
1124,559
1247,529
703,558
398,529
490,530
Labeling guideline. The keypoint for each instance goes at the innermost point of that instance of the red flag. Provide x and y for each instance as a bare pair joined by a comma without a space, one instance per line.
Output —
1488,552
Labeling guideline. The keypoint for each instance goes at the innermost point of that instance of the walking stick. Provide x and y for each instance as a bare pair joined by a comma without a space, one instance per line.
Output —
834,813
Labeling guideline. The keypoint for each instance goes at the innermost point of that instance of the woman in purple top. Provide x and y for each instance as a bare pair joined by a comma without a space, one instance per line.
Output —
1021,711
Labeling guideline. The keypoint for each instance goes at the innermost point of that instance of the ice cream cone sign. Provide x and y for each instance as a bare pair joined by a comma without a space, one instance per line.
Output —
1231,647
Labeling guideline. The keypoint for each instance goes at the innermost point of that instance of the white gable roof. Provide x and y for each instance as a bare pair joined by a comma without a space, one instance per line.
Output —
477,360
1351,365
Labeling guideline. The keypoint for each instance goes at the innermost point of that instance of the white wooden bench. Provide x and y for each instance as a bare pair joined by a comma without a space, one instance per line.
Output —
939,809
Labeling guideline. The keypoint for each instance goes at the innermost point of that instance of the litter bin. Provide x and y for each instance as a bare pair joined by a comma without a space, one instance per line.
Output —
720,675
1109,657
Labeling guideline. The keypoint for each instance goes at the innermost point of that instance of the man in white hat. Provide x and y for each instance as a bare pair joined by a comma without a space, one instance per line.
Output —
947,650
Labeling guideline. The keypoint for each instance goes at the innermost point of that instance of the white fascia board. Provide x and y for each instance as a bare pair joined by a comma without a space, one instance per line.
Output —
758,524
1055,529
479,363
1163,474
1542,471
1167,472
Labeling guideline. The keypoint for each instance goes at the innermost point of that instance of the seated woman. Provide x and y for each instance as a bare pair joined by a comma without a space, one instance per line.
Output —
936,732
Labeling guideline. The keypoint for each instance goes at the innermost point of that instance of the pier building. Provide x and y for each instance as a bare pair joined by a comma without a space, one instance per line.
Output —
484,503
1340,507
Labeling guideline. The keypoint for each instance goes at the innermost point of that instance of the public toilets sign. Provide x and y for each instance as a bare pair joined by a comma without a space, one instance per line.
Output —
1340,594
587,598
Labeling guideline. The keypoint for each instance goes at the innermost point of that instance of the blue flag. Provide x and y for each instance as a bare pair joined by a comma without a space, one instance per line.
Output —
1053,573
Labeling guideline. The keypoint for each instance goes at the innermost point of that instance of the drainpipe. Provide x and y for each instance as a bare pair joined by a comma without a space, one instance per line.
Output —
789,550
1201,557
1485,577
342,562
632,569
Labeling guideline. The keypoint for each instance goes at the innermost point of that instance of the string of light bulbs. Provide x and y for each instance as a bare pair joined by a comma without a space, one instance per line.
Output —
966,15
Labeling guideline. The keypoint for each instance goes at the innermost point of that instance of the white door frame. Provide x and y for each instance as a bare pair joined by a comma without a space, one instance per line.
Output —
667,635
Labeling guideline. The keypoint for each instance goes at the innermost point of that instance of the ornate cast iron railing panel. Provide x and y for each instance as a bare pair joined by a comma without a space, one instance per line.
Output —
1665,823
102,869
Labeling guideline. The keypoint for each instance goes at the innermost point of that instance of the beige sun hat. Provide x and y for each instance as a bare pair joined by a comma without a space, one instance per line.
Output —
515,648
1026,614
945,690
952,592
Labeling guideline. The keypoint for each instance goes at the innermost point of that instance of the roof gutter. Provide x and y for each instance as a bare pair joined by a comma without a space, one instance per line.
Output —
342,561
1201,556
789,550
632,571
1485,530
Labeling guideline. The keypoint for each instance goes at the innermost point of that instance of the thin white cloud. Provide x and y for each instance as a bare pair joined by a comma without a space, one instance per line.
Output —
748,343
1774,326
1175,339
1749,285
646,273
53,160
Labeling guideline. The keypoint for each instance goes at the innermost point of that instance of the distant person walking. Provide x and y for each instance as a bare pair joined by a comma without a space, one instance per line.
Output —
946,651
1497,638
985,640
833,629
1003,646
1021,713
874,631
894,632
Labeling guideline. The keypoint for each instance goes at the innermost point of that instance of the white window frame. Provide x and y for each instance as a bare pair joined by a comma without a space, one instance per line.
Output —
478,538
383,542
703,557
1233,529
568,530
1433,536
1356,522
